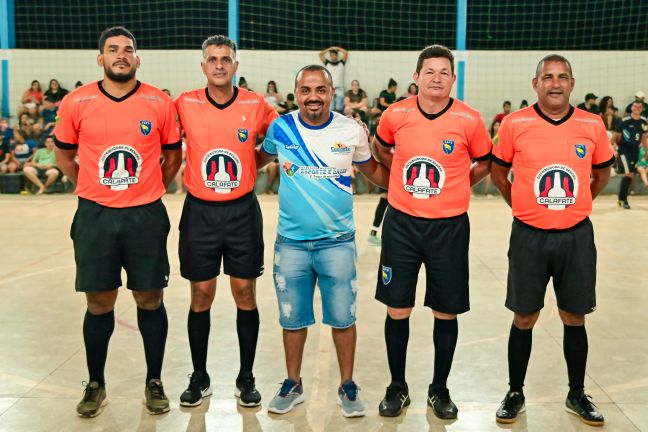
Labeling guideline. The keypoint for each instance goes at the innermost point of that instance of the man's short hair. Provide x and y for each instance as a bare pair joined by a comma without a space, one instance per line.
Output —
115,31
553,58
219,40
434,51
314,68
506,103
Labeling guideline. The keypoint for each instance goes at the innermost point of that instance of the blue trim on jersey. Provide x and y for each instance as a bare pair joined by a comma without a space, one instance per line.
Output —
263,149
322,126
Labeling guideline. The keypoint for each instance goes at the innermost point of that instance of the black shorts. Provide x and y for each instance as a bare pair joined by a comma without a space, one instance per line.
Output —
211,232
107,239
568,256
627,163
440,244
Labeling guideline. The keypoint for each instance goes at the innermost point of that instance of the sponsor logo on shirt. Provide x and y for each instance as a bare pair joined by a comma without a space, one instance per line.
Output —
119,167
423,177
340,148
556,187
294,146
313,172
221,171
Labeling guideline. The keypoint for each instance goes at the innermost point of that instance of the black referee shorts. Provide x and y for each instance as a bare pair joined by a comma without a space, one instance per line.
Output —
568,256
107,239
230,232
440,244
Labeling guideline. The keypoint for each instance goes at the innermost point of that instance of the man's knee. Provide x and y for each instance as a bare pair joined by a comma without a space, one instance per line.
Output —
399,313
244,293
102,302
202,295
571,319
525,321
148,300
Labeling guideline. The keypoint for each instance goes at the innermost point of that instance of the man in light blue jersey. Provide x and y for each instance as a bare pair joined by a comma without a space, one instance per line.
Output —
316,235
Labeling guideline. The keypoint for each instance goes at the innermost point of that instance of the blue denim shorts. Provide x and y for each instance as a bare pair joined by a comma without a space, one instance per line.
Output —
299,264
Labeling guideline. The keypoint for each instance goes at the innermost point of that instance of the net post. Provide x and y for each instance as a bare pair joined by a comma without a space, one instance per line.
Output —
7,41
462,18
233,24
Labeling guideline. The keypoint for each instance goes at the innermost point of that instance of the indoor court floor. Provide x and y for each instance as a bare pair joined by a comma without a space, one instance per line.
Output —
42,359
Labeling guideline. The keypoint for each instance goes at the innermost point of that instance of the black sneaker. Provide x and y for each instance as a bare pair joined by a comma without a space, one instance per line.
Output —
199,388
512,406
396,398
624,204
93,401
246,392
441,404
579,404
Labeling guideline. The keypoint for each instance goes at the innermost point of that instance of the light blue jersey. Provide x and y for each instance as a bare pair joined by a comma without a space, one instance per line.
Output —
315,197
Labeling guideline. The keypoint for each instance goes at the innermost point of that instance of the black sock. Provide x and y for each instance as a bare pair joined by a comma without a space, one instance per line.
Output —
575,349
247,327
625,187
97,330
380,212
519,353
445,341
153,326
198,325
396,338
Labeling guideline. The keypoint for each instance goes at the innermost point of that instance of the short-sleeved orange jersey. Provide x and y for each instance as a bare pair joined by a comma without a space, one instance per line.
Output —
430,172
220,142
119,142
552,163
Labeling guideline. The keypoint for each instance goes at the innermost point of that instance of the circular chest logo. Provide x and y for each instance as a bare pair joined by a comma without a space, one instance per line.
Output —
120,167
556,187
221,171
423,177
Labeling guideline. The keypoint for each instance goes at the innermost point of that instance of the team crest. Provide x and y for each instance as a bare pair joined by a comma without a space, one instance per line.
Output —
243,135
145,127
581,150
290,168
423,177
448,146
119,167
386,274
556,187
221,171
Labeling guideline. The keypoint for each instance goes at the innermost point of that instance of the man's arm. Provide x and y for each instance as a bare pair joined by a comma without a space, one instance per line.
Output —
343,52
383,154
499,175
322,55
600,178
262,157
170,165
375,172
479,170
66,163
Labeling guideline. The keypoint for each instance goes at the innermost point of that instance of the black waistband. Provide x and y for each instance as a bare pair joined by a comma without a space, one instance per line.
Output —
449,218
85,201
247,197
526,225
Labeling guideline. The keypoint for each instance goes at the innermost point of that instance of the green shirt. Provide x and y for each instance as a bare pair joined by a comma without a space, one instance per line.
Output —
44,156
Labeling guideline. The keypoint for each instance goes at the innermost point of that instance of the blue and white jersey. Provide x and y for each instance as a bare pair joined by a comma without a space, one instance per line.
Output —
315,197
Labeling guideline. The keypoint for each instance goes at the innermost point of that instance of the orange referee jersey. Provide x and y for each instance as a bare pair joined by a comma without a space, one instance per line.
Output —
220,142
552,163
430,172
119,142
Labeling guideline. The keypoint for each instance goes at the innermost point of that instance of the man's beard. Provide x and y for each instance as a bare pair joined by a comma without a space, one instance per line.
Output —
120,78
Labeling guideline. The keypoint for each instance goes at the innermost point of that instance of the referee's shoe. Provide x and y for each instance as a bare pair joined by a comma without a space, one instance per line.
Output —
579,403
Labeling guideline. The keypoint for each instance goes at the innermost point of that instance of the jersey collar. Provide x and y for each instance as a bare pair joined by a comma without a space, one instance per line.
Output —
226,104
322,126
550,120
437,115
121,99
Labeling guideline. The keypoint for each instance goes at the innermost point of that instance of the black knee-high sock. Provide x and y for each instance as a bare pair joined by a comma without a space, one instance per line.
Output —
445,341
575,347
247,327
97,330
519,353
198,326
380,213
396,338
153,326
625,187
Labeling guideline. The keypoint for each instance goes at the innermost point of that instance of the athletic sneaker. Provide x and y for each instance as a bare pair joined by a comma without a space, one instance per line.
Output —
374,240
290,394
396,398
624,204
511,408
246,392
93,401
156,400
440,402
349,401
579,404
199,388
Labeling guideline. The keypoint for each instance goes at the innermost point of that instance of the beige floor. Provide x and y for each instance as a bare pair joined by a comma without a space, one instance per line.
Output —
42,360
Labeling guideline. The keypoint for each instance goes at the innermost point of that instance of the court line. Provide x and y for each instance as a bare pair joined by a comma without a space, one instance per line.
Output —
36,273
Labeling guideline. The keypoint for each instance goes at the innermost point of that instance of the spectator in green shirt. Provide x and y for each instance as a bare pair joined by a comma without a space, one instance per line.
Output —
42,164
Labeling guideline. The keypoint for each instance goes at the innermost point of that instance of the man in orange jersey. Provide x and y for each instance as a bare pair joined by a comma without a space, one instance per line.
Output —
119,126
434,140
561,157
221,219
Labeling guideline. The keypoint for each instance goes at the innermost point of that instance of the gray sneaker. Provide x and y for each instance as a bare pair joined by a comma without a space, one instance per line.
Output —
349,401
93,401
290,394
156,400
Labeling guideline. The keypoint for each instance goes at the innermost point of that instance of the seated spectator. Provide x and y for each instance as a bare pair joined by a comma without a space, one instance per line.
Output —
289,104
6,135
506,106
386,98
20,154
356,101
590,104
642,162
78,84
609,114
55,92
48,117
272,96
242,83
412,90
31,100
524,104
639,97
26,131
42,164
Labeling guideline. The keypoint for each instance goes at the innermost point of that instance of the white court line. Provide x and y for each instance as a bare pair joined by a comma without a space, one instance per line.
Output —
36,273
